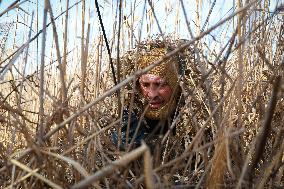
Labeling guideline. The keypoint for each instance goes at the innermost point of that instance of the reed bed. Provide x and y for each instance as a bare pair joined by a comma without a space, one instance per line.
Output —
64,85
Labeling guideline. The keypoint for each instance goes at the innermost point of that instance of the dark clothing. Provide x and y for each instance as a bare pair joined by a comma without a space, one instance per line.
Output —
148,130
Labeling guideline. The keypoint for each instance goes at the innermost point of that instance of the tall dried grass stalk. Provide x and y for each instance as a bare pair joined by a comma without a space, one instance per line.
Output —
83,53
42,65
58,54
219,162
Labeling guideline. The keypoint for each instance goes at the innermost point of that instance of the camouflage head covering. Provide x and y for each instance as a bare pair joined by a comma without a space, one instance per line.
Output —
167,70
146,53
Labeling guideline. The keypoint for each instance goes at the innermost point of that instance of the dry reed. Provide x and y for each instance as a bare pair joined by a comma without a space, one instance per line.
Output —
56,114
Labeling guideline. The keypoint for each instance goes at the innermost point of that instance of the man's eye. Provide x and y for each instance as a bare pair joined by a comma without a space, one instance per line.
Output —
163,84
145,85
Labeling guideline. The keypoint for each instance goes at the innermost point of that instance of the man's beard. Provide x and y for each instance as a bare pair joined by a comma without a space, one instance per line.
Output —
163,112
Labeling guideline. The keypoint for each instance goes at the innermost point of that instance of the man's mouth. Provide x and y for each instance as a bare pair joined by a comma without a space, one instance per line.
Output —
156,105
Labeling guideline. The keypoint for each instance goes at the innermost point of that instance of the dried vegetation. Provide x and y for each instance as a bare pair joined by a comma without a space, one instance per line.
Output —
59,103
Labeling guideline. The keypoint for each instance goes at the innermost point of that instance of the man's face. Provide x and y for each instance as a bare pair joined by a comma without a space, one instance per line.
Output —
155,90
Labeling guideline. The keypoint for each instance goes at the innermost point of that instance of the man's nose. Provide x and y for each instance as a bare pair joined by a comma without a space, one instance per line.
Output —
152,92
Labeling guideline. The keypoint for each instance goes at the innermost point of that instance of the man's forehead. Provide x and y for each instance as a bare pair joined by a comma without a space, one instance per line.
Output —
152,77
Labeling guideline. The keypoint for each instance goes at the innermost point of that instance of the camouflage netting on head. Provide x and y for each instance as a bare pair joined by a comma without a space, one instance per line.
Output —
191,110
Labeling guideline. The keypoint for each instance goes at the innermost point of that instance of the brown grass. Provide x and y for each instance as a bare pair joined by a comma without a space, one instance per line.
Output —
58,106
